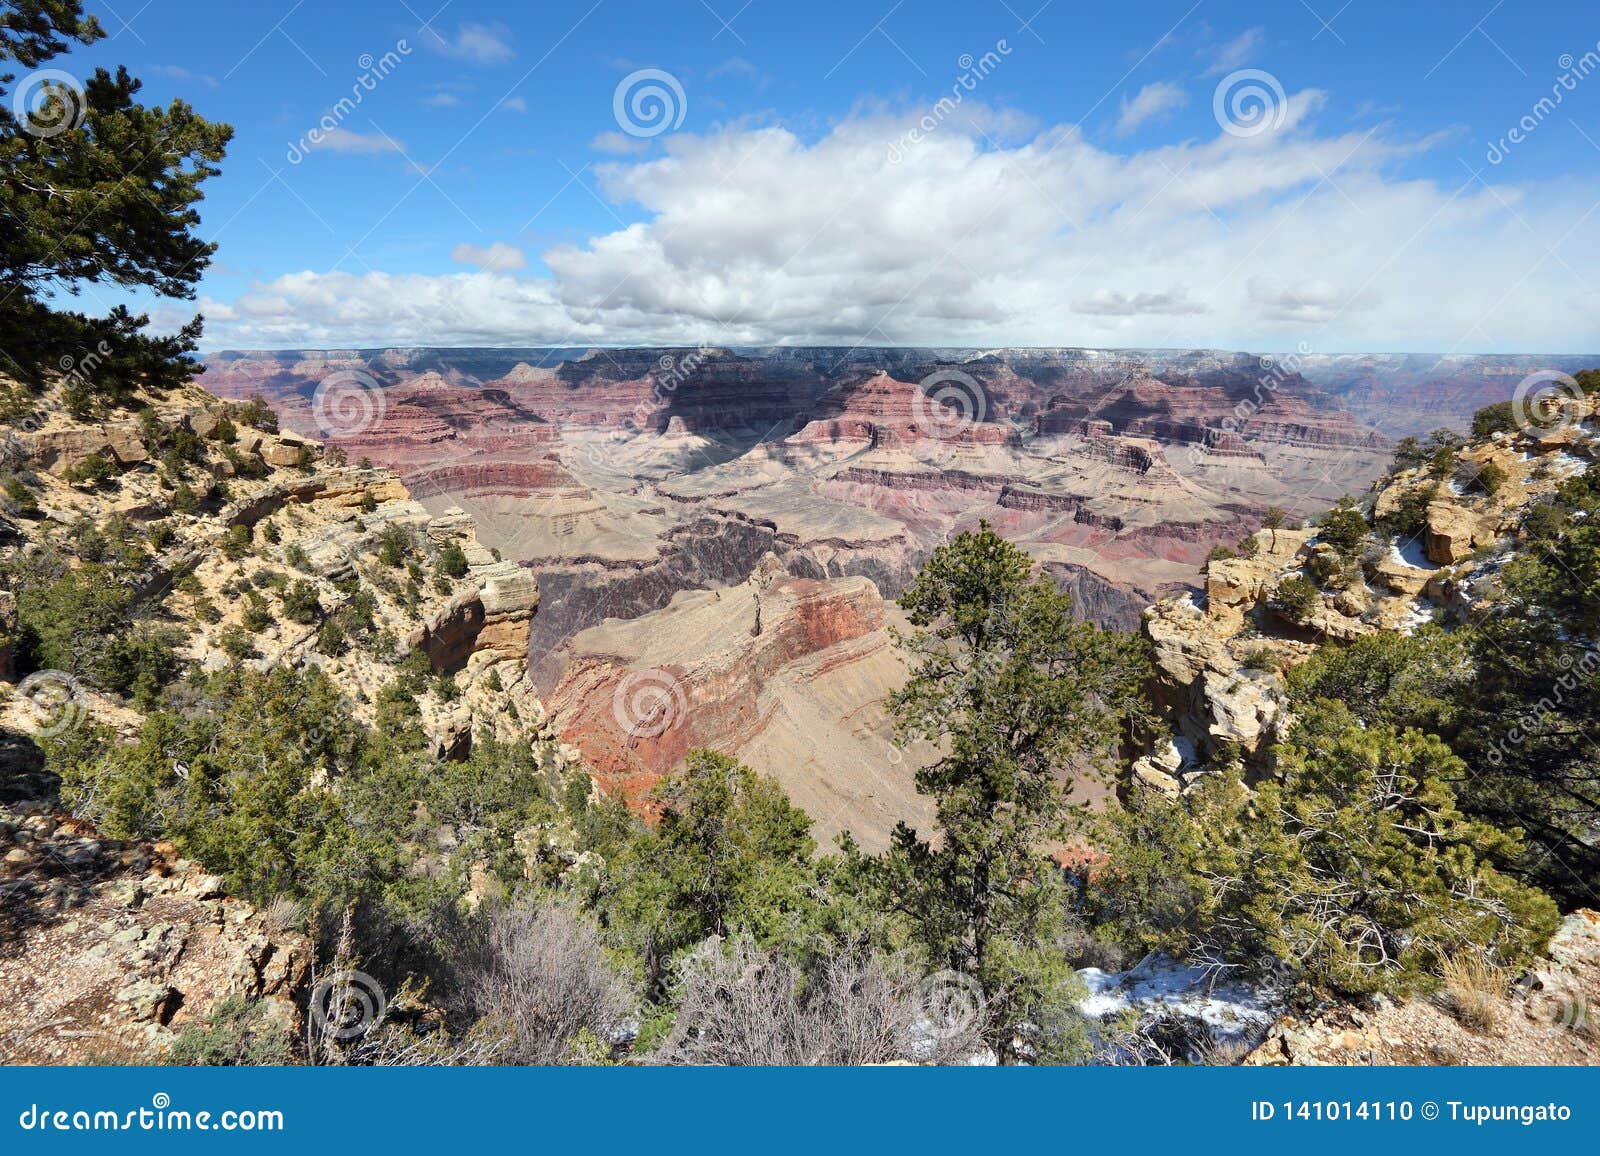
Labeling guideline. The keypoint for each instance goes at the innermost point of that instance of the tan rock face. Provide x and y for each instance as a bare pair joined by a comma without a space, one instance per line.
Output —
1454,532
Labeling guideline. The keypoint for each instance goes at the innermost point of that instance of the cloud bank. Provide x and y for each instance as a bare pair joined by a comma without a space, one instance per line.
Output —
755,235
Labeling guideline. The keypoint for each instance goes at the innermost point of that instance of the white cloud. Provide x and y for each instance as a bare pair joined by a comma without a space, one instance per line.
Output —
753,235
442,100
735,66
343,140
479,43
515,104
497,258
1235,53
1105,303
619,144
179,73
1152,101
1313,300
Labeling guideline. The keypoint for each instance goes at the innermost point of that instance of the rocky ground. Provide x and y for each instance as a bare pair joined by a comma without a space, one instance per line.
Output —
1545,1017
109,949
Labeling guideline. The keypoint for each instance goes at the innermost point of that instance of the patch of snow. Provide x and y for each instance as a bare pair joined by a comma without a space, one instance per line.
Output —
1454,487
1411,555
1185,601
1229,1007
1187,755
1420,614
1567,465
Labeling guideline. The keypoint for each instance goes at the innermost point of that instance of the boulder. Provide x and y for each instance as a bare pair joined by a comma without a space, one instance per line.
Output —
1454,531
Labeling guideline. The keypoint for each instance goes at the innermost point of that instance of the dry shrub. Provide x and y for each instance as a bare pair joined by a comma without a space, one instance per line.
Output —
739,1005
1474,989
544,975
284,915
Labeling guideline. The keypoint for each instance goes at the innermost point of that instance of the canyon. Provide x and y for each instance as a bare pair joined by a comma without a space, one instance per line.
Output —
668,501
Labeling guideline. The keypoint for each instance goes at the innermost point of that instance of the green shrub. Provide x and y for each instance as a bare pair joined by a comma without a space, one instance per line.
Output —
185,500
236,542
393,546
1298,597
1409,517
234,1033
1492,477
453,560
237,644
255,615
331,639
1343,528
300,603
23,502
90,471
258,414
1492,419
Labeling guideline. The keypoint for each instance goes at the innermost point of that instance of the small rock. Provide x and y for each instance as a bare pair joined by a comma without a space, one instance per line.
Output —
205,886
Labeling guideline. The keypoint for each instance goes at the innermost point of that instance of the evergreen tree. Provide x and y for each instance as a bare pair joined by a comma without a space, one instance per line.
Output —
729,854
98,188
1019,696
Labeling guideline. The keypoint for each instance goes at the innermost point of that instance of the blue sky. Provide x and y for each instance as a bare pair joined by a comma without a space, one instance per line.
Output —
1084,189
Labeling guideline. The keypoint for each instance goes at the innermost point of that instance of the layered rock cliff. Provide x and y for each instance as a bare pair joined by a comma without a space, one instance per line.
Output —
627,475
790,674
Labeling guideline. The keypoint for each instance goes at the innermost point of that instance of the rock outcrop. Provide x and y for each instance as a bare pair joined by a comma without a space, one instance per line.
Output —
1219,662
